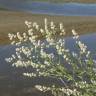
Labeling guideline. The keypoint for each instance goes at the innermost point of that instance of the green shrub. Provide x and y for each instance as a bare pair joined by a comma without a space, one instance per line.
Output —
33,50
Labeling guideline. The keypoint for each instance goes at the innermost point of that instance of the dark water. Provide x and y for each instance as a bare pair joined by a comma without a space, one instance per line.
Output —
68,9
12,83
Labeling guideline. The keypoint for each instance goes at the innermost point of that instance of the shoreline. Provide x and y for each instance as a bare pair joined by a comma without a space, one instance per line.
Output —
66,1
12,22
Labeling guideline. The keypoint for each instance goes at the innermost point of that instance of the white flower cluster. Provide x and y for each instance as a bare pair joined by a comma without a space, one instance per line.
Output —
42,49
31,49
61,91
82,46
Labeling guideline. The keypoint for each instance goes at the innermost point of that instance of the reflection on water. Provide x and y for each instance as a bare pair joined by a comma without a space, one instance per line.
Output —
68,9
13,83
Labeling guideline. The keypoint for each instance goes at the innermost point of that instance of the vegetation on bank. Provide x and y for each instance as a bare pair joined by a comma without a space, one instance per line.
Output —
3,8
49,57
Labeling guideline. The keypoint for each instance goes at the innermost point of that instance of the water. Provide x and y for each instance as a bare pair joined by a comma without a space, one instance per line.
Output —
8,50
66,9
11,80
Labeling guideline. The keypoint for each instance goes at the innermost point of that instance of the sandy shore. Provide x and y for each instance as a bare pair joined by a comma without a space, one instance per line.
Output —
14,22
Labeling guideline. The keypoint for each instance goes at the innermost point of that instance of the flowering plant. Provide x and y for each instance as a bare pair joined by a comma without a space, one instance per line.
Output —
44,51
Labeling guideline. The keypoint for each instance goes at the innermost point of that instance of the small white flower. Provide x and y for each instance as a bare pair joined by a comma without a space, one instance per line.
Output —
13,56
61,26
37,27
46,26
64,56
34,24
74,54
47,63
74,32
13,42
41,30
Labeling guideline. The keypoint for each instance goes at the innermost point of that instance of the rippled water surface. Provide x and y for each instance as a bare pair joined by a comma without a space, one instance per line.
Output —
68,9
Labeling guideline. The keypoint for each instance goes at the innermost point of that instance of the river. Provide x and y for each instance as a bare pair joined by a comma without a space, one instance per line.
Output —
66,9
